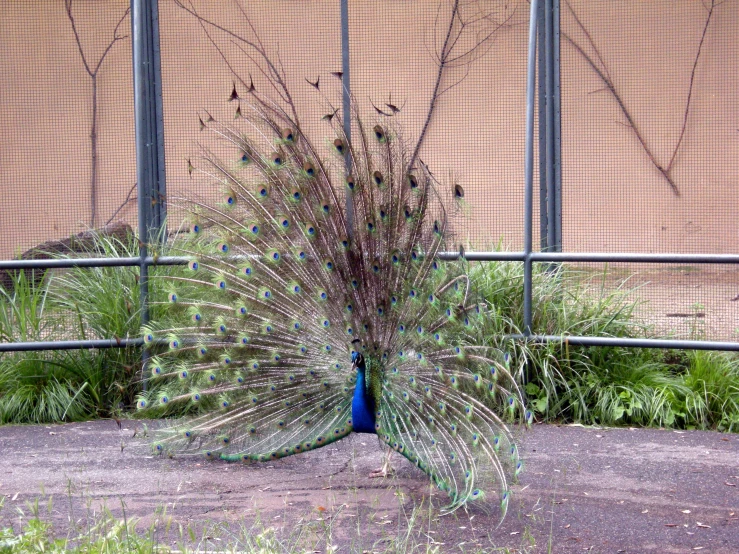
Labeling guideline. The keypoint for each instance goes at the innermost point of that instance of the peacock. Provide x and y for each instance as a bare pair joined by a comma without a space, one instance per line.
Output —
314,305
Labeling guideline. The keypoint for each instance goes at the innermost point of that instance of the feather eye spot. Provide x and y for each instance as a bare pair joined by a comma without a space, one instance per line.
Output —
355,284
378,178
327,348
173,297
328,265
195,229
339,145
195,397
401,328
375,268
379,133
141,404
380,311
309,169
193,265
412,182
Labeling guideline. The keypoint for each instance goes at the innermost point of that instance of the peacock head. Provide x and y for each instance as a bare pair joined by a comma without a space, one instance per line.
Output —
357,357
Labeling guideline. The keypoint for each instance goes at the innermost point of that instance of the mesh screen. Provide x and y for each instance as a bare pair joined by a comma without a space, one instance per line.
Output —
649,116
650,105
68,155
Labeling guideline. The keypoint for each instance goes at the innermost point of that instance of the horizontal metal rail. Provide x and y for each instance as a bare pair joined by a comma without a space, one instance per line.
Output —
670,344
594,257
92,262
597,257
69,344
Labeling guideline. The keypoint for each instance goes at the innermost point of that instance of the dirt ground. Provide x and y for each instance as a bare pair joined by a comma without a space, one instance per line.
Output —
681,302
584,489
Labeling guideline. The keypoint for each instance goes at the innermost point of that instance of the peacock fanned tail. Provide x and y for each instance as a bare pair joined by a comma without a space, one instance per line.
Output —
282,288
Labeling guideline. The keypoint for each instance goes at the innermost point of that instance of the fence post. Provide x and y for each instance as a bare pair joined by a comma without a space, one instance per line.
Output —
529,170
550,172
346,106
150,174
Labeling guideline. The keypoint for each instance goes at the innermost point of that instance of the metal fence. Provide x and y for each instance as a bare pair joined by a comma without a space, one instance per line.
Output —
632,105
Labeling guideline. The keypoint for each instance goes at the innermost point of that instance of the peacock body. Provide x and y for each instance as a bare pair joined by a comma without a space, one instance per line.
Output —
298,322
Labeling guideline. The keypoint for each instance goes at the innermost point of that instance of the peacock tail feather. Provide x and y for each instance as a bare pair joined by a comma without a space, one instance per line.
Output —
287,304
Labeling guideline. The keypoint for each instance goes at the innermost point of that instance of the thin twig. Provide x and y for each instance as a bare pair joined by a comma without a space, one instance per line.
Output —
93,73
602,72
449,56
126,201
690,88
275,75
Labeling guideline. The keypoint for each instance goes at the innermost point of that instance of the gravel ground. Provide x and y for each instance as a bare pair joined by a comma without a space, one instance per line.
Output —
584,489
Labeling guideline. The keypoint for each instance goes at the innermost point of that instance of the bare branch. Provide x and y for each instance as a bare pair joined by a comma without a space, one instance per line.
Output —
464,20
690,87
93,78
601,69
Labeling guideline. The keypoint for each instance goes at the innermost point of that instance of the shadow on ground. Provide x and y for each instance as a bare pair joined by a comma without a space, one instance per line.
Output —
584,489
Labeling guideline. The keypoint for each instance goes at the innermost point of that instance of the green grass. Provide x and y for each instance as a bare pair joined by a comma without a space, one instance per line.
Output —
98,531
81,303
603,385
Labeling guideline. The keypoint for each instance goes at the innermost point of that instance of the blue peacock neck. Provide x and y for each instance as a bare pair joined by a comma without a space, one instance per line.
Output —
363,405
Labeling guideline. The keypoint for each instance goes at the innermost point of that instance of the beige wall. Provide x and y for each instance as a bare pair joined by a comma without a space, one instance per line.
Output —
613,197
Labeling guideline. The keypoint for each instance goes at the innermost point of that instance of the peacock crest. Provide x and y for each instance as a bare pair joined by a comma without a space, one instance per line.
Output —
314,305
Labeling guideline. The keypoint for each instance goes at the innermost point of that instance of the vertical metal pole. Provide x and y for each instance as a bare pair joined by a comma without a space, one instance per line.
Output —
542,66
150,173
557,128
548,154
529,170
143,181
160,217
346,106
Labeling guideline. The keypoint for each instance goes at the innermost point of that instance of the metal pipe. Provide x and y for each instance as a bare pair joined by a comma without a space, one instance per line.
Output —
529,169
346,107
595,257
542,67
629,342
548,154
143,151
557,128
69,344
160,218
482,256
